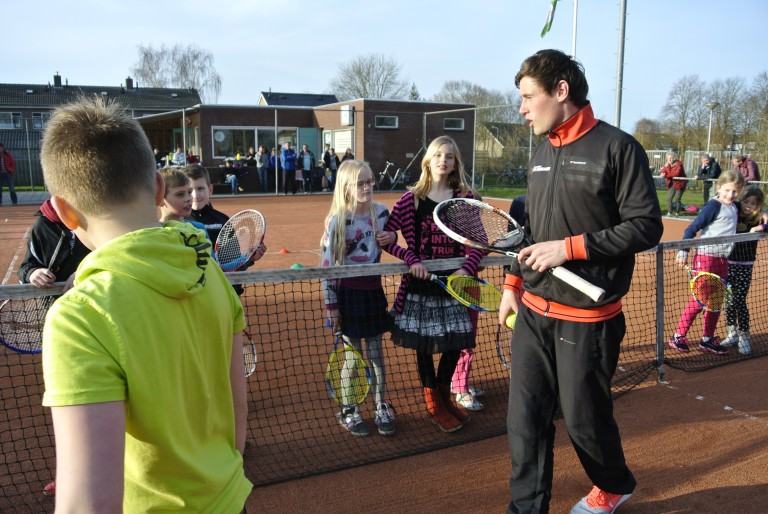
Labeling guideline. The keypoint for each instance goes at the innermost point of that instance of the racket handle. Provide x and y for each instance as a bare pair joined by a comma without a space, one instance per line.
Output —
575,281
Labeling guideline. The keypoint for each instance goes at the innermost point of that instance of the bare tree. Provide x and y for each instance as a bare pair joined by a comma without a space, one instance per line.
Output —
650,134
683,110
179,66
371,76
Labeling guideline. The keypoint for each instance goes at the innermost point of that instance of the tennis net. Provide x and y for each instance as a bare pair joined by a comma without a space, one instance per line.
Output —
293,429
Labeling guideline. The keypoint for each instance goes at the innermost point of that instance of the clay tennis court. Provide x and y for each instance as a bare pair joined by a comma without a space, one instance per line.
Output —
697,444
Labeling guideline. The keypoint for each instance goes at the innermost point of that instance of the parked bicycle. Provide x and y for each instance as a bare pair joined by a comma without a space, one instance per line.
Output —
513,178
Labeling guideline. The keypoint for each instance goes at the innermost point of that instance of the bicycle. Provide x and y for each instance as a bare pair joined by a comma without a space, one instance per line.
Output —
513,178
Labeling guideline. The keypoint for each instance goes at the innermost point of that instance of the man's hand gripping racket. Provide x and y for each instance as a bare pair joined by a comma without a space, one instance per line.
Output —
482,226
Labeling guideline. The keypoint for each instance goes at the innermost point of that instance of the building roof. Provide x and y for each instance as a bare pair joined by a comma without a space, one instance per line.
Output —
295,99
46,96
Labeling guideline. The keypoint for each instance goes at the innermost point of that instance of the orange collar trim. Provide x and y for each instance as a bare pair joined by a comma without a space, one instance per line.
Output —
574,127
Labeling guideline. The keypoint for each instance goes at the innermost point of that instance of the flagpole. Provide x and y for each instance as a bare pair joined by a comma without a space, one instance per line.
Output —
575,15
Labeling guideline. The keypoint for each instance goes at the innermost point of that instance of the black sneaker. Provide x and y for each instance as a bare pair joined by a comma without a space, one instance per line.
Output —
679,343
713,346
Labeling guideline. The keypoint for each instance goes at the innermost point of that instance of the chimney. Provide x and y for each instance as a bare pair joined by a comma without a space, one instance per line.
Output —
57,80
128,83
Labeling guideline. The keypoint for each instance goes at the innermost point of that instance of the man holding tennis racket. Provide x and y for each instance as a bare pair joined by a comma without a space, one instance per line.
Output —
591,205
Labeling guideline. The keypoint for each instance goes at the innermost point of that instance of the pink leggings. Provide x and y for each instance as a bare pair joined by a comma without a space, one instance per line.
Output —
718,266
460,380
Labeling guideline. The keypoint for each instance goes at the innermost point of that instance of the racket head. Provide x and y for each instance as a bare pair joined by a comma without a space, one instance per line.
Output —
249,353
710,291
21,323
474,292
347,376
239,237
478,224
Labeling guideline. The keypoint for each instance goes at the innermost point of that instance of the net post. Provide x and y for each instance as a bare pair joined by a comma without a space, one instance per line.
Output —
660,314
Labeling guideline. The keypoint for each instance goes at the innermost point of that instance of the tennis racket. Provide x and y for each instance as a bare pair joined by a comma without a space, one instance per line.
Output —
249,353
482,226
347,377
238,239
710,291
21,324
471,292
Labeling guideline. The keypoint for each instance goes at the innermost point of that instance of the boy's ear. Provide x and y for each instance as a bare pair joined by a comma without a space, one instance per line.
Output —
210,189
67,213
160,191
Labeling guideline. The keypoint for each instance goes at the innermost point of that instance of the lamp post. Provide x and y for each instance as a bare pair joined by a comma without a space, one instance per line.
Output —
711,106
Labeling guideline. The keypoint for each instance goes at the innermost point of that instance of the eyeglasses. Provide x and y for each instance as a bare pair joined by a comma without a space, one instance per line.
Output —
370,183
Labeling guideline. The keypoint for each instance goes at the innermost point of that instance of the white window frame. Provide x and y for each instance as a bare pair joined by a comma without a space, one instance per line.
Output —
10,120
380,124
40,119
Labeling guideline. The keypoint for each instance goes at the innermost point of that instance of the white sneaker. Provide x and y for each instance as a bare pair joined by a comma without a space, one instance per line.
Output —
745,345
468,401
731,339
474,391
385,419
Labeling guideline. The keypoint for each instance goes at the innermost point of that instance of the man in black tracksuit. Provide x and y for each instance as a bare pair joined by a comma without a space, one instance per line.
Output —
591,206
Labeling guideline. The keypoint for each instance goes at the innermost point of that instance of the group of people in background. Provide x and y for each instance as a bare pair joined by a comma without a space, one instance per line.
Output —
708,172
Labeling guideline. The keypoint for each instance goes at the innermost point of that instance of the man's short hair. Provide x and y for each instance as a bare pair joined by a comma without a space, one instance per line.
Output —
95,156
548,67
196,171
174,177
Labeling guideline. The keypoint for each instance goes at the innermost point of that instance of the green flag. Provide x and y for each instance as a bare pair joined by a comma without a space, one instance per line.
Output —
550,17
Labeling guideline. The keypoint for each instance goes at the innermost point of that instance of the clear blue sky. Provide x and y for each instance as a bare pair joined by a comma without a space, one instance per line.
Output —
292,46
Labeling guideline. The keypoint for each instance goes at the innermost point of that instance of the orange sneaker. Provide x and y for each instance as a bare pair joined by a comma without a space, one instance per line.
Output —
599,502
50,489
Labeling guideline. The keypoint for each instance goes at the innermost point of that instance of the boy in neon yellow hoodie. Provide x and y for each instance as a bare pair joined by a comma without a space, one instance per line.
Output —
145,382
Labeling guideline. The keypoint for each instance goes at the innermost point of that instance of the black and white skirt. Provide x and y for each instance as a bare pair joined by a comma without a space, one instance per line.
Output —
432,324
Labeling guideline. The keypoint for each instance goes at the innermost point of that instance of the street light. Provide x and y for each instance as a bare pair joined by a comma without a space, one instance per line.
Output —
711,106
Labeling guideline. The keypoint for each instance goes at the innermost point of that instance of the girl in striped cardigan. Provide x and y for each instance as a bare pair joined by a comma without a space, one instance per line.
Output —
426,318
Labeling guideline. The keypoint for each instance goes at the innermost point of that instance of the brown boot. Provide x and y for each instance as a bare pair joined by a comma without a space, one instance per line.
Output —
453,409
438,412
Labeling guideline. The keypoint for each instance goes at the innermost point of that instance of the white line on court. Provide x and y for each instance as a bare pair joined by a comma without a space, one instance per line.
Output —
726,408
21,249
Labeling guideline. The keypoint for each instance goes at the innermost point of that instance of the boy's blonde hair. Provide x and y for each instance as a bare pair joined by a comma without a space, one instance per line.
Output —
456,178
95,156
196,171
174,177
344,204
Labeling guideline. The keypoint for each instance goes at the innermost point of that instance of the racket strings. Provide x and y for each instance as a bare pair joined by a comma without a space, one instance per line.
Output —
477,293
347,376
21,323
481,225
240,236
710,291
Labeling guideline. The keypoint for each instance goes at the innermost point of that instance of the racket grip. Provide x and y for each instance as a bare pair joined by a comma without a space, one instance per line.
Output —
575,281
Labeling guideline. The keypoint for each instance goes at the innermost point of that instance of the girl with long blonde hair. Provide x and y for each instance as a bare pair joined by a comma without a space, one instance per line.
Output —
357,306
426,318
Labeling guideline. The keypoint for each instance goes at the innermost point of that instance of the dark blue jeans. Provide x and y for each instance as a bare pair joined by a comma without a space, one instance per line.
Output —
263,178
7,179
